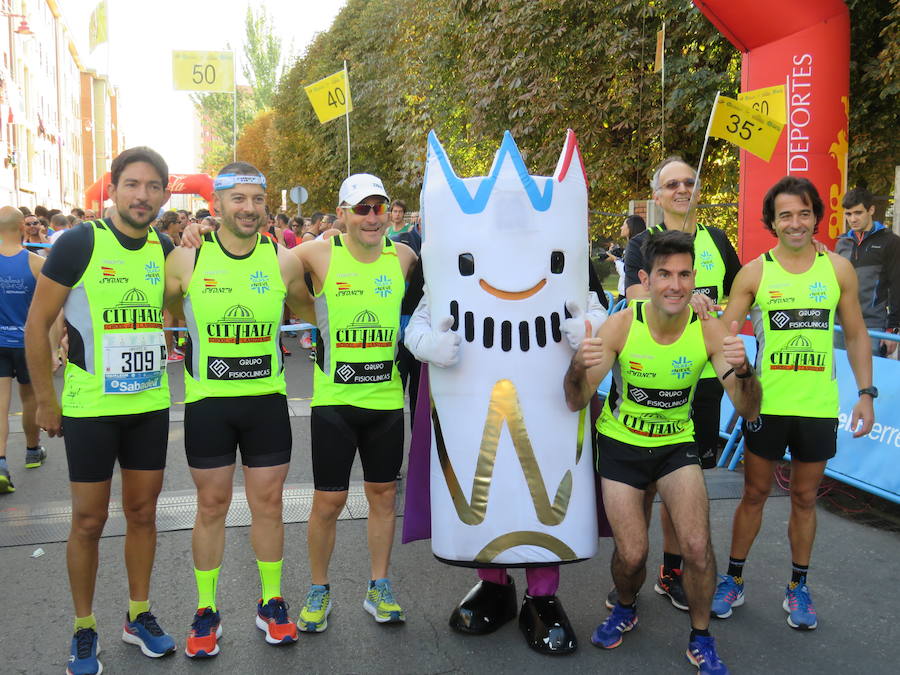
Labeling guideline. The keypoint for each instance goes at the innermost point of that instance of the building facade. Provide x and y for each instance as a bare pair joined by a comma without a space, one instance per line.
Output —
58,122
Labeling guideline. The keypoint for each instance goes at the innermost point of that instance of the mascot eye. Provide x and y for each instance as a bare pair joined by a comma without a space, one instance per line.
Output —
466,264
557,262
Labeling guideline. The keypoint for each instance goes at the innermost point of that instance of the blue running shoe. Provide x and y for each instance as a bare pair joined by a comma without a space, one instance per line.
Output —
314,615
702,653
609,633
272,618
83,659
380,602
729,594
799,606
203,640
147,634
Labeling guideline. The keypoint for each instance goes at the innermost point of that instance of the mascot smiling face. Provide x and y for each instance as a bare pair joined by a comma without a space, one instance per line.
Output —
511,475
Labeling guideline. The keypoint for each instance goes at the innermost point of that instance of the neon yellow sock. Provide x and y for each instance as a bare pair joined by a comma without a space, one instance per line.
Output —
89,621
270,579
136,607
207,581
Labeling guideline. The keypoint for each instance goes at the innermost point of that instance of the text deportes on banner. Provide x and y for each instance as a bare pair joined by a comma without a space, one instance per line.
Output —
330,97
742,125
203,71
770,101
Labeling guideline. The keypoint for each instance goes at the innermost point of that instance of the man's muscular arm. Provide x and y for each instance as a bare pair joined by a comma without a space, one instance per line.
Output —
594,359
859,346
729,359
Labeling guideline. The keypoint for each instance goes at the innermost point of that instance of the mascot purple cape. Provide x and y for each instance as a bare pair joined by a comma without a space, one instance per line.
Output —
501,471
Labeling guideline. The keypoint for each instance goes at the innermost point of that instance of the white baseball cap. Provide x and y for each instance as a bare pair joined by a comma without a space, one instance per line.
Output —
359,186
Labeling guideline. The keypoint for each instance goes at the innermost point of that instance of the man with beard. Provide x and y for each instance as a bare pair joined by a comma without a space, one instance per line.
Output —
107,276
234,289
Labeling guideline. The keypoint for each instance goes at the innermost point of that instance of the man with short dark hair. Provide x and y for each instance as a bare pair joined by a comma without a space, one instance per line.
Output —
315,227
657,349
233,290
108,276
874,252
18,270
674,184
794,292
397,219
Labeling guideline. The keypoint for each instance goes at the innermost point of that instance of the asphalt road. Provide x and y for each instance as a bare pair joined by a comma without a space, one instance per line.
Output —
851,579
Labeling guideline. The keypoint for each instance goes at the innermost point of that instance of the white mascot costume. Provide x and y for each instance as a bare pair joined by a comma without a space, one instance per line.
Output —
505,262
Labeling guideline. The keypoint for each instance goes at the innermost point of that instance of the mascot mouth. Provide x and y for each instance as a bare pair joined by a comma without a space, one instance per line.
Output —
538,332
512,295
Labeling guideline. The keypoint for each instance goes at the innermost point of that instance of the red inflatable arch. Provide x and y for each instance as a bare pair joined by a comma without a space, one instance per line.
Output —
179,183
805,45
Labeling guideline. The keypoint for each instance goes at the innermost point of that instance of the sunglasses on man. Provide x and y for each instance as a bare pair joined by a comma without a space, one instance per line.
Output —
364,209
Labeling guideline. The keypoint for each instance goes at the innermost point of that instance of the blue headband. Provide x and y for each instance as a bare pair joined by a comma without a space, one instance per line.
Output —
226,181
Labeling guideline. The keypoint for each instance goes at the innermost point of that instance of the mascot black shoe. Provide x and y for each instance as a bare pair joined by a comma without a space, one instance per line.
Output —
485,608
546,627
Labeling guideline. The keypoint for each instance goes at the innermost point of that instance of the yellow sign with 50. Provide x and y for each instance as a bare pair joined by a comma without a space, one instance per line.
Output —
203,71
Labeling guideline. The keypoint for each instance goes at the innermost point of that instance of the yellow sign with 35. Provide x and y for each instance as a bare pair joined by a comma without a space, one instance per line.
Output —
203,71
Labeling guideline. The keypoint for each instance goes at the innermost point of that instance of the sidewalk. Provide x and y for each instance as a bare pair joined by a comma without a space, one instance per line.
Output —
850,578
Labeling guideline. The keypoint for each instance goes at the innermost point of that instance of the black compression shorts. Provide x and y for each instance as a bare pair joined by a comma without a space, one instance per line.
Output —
12,364
706,412
93,444
810,439
215,427
337,432
638,466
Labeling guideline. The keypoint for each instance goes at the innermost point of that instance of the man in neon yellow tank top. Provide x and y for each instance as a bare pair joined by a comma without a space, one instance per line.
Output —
233,290
358,281
656,350
107,275
675,192
794,292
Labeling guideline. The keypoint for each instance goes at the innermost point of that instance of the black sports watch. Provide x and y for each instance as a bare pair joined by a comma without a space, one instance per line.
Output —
871,391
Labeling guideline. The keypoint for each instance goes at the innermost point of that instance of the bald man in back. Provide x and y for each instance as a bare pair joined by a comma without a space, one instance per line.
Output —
18,271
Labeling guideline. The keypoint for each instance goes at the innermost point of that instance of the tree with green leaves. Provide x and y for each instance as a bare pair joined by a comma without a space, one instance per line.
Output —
262,68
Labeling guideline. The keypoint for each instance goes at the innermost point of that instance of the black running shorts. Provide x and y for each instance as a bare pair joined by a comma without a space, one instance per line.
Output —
337,432
215,427
639,466
12,364
706,412
93,444
810,439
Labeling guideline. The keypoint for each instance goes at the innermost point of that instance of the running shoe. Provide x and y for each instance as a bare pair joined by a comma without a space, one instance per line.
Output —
799,606
203,640
272,619
83,659
175,356
380,603
147,634
668,583
314,615
34,458
608,634
6,484
701,652
306,341
729,594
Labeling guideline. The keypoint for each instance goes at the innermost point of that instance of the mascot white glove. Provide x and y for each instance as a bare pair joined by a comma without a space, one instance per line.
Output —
573,328
438,346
